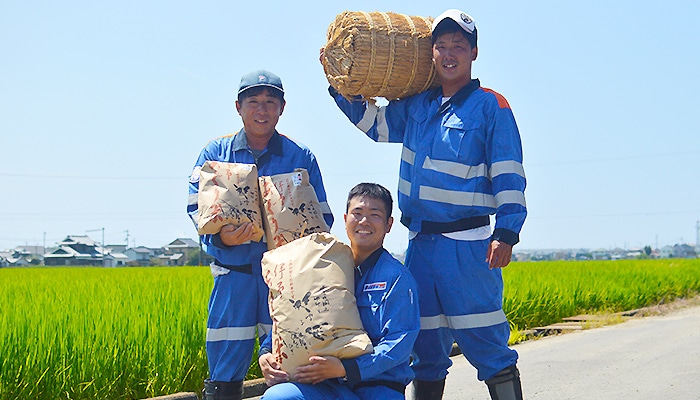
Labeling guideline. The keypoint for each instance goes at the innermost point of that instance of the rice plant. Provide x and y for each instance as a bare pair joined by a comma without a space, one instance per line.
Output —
133,333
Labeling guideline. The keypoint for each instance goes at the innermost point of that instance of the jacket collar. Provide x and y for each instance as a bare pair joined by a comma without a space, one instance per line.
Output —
458,98
274,146
370,261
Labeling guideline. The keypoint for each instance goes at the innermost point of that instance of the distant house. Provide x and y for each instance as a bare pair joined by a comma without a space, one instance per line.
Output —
115,259
140,255
115,248
178,252
76,250
15,258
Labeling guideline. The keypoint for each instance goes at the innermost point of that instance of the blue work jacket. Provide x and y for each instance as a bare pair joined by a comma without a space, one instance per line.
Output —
282,155
461,158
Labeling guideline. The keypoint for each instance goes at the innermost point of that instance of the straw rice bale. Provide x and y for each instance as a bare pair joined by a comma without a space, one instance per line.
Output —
379,54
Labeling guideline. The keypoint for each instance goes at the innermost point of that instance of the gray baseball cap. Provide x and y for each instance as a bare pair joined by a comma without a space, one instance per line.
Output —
260,78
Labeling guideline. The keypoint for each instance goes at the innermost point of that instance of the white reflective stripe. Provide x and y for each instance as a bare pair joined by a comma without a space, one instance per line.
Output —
404,187
193,199
382,127
469,321
325,208
507,167
510,197
231,333
368,119
407,155
481,233
264,329
438,321
455,169
456,197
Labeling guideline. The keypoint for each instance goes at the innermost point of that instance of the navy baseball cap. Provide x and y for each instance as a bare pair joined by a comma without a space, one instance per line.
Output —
260,78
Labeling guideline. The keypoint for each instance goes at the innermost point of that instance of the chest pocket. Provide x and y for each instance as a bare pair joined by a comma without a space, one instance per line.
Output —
369,306
456,139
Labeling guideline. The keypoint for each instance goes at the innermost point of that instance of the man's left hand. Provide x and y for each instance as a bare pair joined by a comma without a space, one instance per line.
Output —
498,255
320,369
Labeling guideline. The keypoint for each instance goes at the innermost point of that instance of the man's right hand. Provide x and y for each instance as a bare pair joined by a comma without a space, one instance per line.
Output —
233,236
270,370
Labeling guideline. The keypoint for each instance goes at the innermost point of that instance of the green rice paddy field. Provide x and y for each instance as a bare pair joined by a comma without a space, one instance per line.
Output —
132,333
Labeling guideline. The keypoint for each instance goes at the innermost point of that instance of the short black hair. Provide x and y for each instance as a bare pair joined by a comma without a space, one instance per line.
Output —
373,191
448,25
254,91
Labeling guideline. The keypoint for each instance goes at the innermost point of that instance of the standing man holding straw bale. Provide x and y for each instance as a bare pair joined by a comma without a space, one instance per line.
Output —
461,162
238,302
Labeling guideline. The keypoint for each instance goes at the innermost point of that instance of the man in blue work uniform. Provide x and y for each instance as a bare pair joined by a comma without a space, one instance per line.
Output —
461,162
238,302
386,299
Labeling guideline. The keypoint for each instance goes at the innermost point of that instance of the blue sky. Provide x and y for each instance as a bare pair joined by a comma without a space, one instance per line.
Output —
104,107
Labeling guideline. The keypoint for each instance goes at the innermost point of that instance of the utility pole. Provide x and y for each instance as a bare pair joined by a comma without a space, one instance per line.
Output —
127,238
199,250
102,246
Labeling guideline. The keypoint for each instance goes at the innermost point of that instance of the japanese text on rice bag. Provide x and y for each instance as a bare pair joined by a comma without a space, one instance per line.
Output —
228,194
312,301
291,208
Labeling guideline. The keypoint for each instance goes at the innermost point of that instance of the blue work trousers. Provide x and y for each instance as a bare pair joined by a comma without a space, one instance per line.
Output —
460,301
237,308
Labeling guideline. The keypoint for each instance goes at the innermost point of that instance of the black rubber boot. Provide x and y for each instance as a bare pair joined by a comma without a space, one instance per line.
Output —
427,390
505,385
222,390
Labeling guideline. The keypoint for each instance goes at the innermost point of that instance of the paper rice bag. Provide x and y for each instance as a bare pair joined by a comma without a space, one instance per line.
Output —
312,301
228,194
290,207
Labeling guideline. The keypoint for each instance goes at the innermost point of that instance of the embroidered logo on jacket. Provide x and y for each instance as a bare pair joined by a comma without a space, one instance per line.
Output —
369,287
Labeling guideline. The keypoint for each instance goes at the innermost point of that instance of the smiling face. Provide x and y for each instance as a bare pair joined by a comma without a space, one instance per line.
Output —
260,113
366,224
453,57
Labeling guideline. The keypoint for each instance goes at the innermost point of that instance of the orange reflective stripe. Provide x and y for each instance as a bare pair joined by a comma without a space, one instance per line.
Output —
502,102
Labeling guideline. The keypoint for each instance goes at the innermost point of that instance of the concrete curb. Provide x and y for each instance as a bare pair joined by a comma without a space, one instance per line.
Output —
254,387
177,396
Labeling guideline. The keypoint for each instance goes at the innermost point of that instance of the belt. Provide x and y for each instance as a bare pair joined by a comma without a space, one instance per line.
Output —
245,268
399,387
453,226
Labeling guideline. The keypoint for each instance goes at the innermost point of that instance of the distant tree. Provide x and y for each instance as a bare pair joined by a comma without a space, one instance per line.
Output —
194,258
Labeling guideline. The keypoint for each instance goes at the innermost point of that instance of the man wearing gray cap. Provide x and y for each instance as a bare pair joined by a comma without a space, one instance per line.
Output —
238,303
461,163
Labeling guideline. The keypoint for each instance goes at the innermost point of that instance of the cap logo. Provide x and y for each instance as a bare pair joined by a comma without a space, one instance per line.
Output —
262,78
466,18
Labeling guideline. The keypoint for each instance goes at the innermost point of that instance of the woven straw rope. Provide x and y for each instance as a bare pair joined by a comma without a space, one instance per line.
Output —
359,41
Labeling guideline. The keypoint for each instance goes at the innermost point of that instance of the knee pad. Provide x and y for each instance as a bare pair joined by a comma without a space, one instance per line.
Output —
214,390
505,385
427,390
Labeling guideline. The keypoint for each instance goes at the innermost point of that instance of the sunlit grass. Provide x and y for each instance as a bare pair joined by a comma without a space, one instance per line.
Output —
130,333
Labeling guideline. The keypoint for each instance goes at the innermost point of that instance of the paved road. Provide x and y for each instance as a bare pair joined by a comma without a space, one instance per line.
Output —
649,358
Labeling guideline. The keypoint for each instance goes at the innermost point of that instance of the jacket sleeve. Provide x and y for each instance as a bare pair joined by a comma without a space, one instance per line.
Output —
380,123
400,324
505,164
317,182
212,243
193,189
